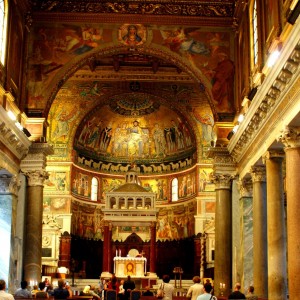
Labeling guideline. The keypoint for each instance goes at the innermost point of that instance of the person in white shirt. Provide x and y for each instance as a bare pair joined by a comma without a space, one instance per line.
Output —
23,291
167,288
207,293
4,295
196,289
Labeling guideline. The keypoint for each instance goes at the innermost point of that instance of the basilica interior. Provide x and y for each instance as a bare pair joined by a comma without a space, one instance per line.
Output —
151,137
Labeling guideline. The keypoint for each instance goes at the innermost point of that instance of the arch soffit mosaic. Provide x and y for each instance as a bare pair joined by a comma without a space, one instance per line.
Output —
77,63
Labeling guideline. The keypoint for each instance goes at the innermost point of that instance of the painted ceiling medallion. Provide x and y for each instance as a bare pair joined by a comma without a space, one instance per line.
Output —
134,104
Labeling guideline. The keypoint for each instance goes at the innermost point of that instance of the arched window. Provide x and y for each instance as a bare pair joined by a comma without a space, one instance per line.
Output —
255,33
3,29
94,189
174,189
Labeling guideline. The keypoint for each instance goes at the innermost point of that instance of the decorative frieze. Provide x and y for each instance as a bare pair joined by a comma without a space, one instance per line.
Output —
12,137
146,7
239,143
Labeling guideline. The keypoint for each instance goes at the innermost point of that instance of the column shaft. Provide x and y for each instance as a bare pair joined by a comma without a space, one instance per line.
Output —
276,228
223,253
260,243
33,235
293,208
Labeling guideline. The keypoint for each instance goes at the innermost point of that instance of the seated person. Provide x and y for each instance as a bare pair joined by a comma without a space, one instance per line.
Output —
63,291
42,293
23,292
148,292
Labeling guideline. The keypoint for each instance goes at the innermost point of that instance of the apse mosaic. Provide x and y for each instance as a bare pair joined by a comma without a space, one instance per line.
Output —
187,185
155,135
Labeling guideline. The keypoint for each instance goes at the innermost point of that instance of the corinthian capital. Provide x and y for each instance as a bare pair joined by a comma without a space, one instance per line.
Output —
9,184
222,181
245,187
258,173
290,137
36,178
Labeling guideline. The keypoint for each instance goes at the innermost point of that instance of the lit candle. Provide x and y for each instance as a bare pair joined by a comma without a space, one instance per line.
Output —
220,284
120,252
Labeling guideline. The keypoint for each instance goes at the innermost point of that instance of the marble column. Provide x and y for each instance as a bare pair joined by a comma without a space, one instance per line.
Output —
277,269
33,227
291,139
152,247
33,166
245,257
260,243
223,230
9,186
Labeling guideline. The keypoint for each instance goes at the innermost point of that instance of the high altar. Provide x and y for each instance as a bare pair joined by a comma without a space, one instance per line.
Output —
133,266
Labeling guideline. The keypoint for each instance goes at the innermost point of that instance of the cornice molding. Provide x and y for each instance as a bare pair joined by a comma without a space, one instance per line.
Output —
12,137
9,184
147,7
273,106
36,158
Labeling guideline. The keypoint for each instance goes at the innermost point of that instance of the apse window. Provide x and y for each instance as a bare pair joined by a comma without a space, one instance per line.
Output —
175,189
3,30
94,189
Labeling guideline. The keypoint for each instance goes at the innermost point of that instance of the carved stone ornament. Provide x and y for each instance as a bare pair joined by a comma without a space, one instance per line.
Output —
267,106
258,173
245,187
146,7
290,137
9,184
36,178
51,221
277,155
222,181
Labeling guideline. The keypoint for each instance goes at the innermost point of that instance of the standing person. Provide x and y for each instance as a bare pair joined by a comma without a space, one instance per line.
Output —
236,294
167,288
63,291
41,293
4,295
128,286
207,295
23,292
196,289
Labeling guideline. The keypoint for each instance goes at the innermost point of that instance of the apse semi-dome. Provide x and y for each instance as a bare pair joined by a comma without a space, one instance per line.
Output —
135,129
